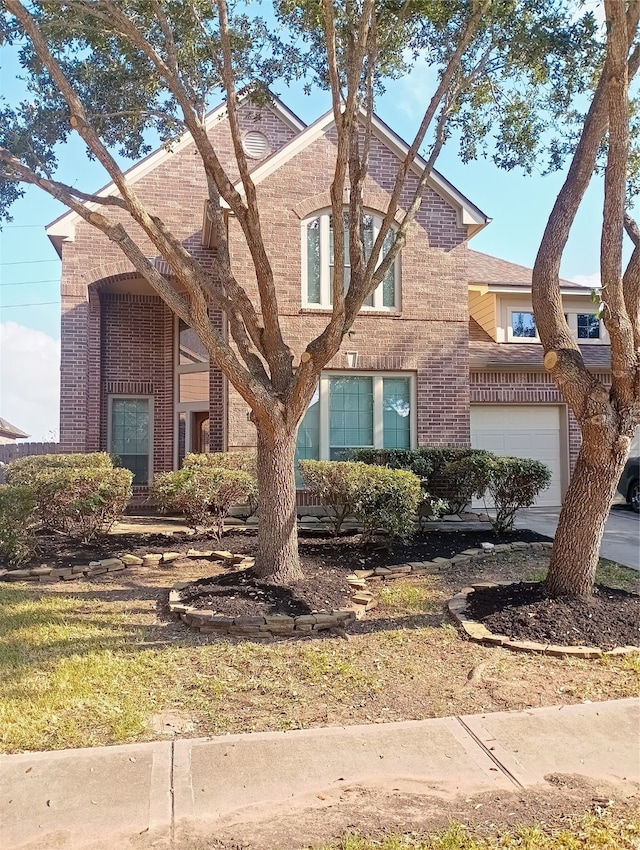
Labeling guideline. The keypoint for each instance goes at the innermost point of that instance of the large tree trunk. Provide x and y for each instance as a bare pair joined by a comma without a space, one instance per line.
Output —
277,559
576,547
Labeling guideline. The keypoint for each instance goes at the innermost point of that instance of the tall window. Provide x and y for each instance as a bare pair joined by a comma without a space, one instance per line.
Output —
357,411
192,393
130,435
318,262
523,325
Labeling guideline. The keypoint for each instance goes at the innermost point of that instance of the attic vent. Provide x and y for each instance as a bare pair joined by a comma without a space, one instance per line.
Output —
255,144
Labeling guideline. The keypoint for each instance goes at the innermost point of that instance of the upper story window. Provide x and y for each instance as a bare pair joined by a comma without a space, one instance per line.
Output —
588,326
318,262
523,325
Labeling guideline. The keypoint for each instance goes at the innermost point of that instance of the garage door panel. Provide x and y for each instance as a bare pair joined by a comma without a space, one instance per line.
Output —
525,432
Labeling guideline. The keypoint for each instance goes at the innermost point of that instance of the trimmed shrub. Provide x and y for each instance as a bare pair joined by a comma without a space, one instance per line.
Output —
511,483
382,499
72,495
17,523
243,461
25,470
442,491
203,494
335,484
387,501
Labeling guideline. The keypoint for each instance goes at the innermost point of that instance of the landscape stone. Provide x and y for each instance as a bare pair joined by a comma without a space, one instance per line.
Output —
110,562
167,557
451,518
131,560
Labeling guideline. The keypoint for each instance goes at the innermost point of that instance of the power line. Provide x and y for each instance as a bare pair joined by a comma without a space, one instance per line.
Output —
35,304
29,262
6,226
31,282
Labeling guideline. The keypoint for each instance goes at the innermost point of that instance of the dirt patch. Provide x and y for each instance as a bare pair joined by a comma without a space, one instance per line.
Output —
524,611
374,812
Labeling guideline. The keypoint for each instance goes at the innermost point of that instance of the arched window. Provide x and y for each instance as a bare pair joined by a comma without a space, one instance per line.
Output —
318,262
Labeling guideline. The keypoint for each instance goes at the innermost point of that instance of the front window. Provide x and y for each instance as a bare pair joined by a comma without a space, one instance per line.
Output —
318,265
130,435
351,412
523,325
588,326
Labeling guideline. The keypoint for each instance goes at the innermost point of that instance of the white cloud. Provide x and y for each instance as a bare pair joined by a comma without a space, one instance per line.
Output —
591,281
29,380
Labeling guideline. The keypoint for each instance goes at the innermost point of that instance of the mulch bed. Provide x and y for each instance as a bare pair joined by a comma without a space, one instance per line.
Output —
607,619
610,618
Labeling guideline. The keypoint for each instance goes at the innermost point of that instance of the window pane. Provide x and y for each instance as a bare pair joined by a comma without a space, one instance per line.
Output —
389,280
130,435
191,350
182,438
523,325
313,261
193,386
350,414
588,326
396,413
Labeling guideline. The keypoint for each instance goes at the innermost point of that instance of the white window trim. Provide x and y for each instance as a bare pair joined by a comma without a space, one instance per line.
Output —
130,397
325,277
572,321
378,434
511,337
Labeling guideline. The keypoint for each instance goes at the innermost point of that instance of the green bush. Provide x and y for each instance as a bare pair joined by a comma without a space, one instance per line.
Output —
17,523
79,495
442,491
387,501
511,483
382,499
335,484
25,470
203,494
241,461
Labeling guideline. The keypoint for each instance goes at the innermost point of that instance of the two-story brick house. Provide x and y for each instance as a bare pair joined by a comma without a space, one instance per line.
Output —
444,352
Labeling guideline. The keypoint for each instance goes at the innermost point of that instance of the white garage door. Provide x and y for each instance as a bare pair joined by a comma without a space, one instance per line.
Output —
522,431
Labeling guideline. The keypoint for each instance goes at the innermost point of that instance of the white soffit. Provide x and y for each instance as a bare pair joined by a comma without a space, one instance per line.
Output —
62,229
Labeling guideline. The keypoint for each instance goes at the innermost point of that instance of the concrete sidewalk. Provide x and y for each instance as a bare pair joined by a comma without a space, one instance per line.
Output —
147,795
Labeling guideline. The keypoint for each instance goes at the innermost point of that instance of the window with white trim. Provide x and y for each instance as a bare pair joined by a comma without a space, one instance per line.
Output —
523,325
318,259
354,411
130,424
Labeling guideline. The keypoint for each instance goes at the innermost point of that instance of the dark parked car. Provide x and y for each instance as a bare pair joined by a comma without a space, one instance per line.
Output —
629,484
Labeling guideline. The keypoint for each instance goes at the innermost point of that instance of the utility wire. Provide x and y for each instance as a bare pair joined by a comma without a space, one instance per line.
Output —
29,262
30,282
35,304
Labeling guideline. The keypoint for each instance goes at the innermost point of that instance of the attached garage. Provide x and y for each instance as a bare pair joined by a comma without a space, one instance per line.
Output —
533,431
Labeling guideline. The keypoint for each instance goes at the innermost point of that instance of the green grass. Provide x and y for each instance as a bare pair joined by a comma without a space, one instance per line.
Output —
606,831
407,597
608,573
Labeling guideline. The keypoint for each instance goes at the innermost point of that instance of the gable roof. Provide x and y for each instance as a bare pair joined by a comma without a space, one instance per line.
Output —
470,215
500,274
9,430
61,229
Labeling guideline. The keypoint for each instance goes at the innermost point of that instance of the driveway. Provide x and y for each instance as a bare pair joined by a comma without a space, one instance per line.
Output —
621,541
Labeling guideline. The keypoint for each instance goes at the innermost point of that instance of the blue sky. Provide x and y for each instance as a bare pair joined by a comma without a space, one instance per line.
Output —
29,268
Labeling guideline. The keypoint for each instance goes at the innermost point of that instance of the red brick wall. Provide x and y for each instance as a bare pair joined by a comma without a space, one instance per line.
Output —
135,353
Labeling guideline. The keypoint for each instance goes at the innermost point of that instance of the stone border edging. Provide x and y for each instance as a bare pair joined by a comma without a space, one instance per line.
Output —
256,627
45,573
479,633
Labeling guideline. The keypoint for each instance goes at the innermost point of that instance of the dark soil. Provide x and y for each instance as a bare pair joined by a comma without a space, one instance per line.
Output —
607,619
610,618
325,563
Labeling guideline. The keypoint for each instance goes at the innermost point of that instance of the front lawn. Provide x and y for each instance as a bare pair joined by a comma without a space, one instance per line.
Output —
100,662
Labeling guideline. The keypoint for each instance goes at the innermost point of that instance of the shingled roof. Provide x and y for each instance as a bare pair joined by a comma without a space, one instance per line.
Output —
492,271
10,431
506,355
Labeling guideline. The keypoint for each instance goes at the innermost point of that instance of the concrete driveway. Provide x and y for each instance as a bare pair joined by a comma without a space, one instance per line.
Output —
621,541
